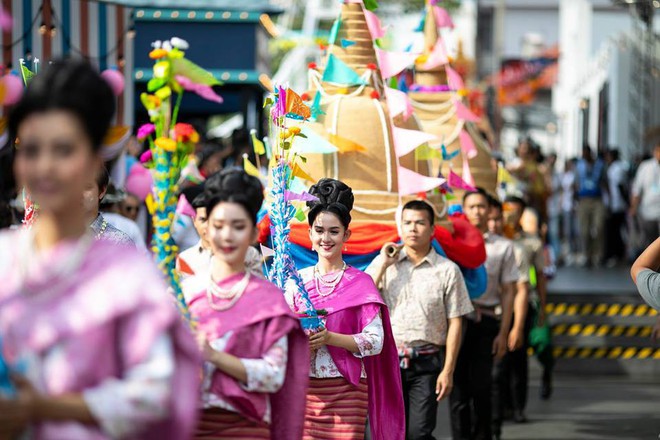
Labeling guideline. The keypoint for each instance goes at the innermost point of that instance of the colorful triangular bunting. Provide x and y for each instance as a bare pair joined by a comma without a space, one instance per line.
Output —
338,72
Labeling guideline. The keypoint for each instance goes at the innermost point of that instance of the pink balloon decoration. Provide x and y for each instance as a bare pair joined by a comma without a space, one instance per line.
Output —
115,79
139,181
13,89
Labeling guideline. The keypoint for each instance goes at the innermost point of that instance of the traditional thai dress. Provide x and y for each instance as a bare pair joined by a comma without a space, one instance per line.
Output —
196,261
103,230
259,328
345,387
94,318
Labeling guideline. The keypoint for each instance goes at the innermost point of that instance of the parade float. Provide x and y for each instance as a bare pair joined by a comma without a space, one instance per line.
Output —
362,132
438,99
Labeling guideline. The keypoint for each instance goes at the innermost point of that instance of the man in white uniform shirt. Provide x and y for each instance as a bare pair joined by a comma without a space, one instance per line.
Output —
487,330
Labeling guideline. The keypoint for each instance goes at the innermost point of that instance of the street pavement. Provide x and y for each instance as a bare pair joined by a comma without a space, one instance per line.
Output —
583,408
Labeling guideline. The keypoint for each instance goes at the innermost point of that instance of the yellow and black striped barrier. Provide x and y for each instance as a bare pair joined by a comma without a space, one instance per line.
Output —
602,330
602,309
605,353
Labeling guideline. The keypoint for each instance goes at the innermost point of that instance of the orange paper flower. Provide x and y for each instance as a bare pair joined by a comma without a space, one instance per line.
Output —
157,54
185,133
166,144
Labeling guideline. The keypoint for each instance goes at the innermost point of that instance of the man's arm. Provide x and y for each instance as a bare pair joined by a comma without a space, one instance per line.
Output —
650,259
500,342
446,379
378,267
520,302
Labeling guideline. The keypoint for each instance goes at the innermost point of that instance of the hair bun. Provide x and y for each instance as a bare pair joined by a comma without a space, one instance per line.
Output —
236,186
333,196
331,191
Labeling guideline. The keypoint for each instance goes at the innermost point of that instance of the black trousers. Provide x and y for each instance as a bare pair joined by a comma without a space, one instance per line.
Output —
419,396
510,379
470,400
614,246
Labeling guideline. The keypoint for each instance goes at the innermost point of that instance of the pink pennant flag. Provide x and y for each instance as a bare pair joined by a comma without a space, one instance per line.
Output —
455,181
305,196
374,24
437,57
454,79
406,140
398,103
442,17
467,145
467,174
464,113
202,90
392,63
266,251
411,182
183,207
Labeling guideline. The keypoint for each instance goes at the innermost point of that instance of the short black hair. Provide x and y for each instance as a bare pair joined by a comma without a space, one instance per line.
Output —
494,203
420,205
103,179
70,85
199,201
478,190
516,200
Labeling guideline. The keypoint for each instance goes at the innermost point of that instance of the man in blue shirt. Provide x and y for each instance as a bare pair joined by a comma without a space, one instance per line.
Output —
590,185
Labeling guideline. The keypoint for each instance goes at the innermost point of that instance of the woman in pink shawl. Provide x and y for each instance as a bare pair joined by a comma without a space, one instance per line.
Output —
354,364
95,346
255,350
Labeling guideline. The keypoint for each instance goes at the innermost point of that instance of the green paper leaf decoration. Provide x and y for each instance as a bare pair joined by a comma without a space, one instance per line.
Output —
27,74
155,84
300,214
371,5
193,72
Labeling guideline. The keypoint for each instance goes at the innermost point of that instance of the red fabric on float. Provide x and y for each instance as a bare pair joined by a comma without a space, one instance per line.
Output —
465,246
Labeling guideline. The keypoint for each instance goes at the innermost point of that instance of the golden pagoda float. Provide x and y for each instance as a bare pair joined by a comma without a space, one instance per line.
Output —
437,98
359,133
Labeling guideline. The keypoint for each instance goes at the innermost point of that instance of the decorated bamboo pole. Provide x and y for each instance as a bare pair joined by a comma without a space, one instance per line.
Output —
171,145
287,105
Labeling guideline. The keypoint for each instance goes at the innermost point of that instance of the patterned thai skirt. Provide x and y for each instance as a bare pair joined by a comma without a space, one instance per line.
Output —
220,424
335,409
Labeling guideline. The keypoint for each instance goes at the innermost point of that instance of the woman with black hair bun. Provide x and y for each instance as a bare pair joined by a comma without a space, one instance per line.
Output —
94,346
354,363
256,354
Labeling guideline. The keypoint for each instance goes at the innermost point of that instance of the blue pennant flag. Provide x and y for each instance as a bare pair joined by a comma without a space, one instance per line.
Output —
347,43
316,107
338,72
334,31
422,23
448,156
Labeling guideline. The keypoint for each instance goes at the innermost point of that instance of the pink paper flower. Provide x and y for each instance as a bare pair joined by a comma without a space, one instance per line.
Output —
145,131
146,156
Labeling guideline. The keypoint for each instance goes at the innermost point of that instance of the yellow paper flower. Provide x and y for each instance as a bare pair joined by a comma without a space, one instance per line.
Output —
150,102
295,130
161,69
166,144
163,93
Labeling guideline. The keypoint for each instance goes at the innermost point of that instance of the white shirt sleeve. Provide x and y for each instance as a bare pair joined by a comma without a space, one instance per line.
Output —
123,406
370,340
638,183
266,375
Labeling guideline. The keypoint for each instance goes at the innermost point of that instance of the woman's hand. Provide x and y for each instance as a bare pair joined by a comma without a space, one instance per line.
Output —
208,352
16,414
318,340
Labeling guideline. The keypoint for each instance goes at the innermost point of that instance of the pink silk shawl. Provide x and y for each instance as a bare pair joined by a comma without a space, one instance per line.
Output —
351,307
105,316
258,319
